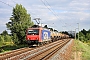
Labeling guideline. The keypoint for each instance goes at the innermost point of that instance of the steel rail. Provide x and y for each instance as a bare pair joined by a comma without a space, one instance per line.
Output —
40,54
53,52
13,53
31,52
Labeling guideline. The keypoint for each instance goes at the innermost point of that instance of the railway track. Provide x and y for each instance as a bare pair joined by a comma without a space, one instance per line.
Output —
14,52
43,52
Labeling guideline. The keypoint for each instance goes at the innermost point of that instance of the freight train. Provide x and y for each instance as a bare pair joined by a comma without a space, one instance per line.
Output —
39,35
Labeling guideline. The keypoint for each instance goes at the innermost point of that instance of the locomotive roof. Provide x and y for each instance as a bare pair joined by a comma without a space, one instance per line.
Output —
35,26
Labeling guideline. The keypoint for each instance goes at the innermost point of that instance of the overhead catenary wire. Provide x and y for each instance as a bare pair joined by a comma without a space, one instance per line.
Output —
14,2
10,5
29,11
51,10
5,3
54,11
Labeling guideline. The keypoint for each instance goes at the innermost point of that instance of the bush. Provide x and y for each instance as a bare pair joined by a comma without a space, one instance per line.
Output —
1,50
5,40
1,40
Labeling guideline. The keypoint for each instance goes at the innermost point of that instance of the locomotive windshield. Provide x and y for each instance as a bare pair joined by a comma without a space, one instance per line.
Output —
33,32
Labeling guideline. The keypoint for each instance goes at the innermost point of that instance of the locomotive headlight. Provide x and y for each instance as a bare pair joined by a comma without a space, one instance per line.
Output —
28,38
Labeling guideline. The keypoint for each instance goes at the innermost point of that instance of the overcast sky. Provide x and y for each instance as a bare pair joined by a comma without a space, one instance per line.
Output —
59,14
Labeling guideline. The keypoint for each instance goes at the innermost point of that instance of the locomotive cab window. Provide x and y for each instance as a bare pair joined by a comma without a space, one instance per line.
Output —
33,32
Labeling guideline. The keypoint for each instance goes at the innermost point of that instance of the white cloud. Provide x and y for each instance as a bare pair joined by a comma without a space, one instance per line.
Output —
66,11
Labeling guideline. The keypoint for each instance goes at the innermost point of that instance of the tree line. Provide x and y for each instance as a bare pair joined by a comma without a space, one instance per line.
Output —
84,35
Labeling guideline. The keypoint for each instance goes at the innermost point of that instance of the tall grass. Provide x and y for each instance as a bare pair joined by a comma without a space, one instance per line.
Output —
84,48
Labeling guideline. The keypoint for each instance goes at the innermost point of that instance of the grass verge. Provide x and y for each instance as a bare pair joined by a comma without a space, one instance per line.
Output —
83,48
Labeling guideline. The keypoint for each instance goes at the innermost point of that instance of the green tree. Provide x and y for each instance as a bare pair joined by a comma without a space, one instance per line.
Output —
56,30
88,36
19,22
7,38
84,31
88,31
51,29
4,33
1,40
45,26
81,37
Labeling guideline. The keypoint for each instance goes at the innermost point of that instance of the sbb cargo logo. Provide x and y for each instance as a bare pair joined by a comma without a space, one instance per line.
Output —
45,35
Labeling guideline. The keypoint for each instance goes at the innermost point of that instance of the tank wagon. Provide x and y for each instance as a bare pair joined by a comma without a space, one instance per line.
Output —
39,35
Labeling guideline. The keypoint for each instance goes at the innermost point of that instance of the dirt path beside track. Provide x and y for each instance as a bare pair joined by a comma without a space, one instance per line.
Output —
77,55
